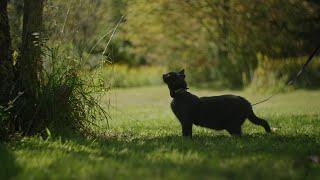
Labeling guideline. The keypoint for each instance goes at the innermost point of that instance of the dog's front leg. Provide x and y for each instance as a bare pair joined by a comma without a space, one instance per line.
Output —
186,129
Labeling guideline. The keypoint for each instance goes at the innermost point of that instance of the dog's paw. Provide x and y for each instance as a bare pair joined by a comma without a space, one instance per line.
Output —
274,130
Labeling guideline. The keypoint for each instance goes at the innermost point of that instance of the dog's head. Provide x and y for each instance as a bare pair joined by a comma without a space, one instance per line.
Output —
175,80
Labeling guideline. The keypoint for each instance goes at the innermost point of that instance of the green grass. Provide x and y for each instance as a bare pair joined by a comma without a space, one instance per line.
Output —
144,142
123,76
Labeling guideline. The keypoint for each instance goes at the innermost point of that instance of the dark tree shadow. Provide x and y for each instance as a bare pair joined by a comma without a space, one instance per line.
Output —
135,151
8,166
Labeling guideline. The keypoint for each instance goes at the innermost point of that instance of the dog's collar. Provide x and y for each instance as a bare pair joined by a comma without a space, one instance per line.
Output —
178,91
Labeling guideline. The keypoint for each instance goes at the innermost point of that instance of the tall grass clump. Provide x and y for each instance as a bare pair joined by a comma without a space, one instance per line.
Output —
66,104
71,96
272,75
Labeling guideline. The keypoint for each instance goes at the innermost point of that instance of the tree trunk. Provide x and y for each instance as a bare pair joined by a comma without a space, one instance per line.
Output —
6,64
30,64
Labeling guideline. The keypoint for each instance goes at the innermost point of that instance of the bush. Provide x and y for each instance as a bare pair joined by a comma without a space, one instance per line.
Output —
124,76
219,74
272,75
65,105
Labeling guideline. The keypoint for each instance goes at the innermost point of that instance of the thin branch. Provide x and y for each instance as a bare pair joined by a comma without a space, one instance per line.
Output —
112,35
65,19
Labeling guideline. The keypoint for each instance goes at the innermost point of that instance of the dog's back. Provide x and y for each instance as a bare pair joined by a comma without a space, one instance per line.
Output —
219,112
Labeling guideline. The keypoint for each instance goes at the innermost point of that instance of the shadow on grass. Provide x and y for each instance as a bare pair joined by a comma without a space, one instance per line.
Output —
202,154
222,145
8,166
159,152
221,156
250,156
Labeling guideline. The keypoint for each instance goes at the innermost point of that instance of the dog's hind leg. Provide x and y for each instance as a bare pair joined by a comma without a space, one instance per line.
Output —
235,130
258,121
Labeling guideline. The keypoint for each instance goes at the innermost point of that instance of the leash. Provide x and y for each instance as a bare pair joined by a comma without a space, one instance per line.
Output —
296,77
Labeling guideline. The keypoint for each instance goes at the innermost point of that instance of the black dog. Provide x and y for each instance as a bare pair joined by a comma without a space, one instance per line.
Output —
217,112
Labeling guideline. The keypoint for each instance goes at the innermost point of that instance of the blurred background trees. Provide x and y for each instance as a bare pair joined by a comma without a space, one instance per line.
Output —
221,43
219,40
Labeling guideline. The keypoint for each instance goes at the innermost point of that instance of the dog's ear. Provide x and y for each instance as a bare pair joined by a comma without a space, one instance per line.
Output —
181,73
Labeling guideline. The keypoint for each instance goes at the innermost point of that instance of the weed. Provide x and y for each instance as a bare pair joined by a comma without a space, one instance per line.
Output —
67,102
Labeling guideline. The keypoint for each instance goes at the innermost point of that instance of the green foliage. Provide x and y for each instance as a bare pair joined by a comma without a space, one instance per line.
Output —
217,41
67,102
78,22
144,142
272,75
125,76
218,74
69,98
4,121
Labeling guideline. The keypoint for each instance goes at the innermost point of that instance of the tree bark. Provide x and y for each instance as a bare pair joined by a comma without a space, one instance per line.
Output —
6,64
30,65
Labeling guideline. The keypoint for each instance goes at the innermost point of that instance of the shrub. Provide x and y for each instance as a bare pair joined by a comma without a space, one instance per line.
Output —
66,104
229,73
272,75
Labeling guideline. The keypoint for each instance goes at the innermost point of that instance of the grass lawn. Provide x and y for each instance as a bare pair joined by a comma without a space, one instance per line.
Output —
144,142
